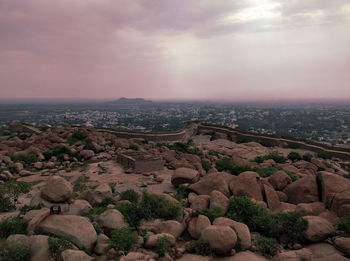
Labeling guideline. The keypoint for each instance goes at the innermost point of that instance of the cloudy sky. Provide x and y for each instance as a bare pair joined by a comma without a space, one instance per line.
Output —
175,49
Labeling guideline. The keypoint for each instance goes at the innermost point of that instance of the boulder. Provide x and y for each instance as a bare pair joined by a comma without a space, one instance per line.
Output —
342,244
111,219
221,239
310,209
304,190
39,249
318,229
200,202
79,207
303,254
332,257
196,225
321,250
136,256
335,192
80,228
243,256
279,180
191,257
102,245
241,230
272,199
87,154
57,190
212,181
172,227
184,175
305,165
96,196
75,255
34,218
218,200
318,163
247,184
152,239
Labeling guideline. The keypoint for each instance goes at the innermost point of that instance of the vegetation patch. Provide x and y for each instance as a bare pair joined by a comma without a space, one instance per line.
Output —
206,165
260,219
123,239
211,213
14,251
132,213
294,156
227,164
77,136
9,192
344,224
182,192
307,157
59,244
12,225
130,195
57,151
184,148
134,147
162,246
107,201
79,185
26,159
26,208
323,155
267,246
274,156
95,212
199,247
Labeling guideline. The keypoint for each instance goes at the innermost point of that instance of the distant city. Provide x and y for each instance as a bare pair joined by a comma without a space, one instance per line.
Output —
326,123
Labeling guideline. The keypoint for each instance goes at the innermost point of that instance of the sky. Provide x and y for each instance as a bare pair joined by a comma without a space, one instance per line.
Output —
175,50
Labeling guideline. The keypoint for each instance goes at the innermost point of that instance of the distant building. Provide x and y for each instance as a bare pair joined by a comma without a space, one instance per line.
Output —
140,161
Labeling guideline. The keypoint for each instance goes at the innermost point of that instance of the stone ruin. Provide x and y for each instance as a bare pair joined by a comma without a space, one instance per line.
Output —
140,161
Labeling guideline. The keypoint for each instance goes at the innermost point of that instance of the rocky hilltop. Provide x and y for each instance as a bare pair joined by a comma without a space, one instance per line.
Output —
82,193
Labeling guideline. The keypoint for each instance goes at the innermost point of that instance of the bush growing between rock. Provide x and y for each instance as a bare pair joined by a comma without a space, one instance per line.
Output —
274,156
260,219
59,244
294,156
182,192
227,164
344,224
267,246
132,213
57,151
162,246
123,239
77,136
134,147
14,251
206,165
323,155
291,175
130,195
307,157
12,225
26,208
95,212
26,159
199,247
211,213
107,201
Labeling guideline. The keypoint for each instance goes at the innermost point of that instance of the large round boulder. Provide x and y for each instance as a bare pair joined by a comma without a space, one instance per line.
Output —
318,229
111,219
247,184
57,190
79,228
196,225
221,239
279,180
303,190
210,182
75,255
184,175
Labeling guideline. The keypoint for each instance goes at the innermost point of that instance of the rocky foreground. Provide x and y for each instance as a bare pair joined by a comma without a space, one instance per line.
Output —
64,196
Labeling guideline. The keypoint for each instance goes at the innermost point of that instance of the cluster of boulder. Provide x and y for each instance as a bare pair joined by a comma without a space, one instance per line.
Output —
321,195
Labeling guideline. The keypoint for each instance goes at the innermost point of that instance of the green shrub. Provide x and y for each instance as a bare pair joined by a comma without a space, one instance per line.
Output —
14,251
9,192
243,209
156,206
162,246
227,164
267,246
98,228
130,195
265,172
243,140
344,224
77,136
266,143
307,157
213,153
294,156
95,212
6,133
184,148
206,165
13,168
274,156
293,146
182,192
132,213
323,155
291,175
6,204
57,151
26,208
199,247
122,239
328,165
211,213
134,147
26,159
88,145
290,224
12,225
59,244
107,201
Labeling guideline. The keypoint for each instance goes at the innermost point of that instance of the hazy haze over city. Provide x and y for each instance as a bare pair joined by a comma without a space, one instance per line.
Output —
193,50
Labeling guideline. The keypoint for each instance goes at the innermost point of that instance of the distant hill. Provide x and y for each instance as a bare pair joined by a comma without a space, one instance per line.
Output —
132,101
